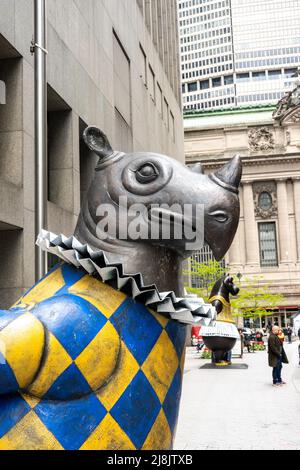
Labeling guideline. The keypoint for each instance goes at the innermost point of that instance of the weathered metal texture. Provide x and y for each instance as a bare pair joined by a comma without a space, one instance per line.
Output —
85,366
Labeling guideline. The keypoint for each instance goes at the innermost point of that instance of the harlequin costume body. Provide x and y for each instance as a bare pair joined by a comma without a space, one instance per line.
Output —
81,359
92,357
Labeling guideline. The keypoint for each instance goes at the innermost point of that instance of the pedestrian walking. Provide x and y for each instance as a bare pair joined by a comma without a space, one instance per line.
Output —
289,333
299,334
277,356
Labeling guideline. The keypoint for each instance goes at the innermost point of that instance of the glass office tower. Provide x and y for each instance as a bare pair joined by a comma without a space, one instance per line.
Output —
238,52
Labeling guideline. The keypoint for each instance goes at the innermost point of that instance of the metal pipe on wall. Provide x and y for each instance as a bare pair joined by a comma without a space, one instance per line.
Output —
40,53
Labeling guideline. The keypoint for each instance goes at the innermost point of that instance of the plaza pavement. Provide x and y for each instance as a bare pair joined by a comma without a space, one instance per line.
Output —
239,409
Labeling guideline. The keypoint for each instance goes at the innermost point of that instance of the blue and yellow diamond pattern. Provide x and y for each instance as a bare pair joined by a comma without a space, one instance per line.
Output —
82,366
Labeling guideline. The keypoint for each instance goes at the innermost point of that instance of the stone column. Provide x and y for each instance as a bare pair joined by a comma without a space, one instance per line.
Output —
235,251
251,232
296,182
283,222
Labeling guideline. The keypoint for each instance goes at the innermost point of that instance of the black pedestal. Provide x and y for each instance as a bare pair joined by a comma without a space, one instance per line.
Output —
232,366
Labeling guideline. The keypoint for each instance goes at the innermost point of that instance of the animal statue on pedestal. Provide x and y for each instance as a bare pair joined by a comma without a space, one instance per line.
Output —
221,337
92,356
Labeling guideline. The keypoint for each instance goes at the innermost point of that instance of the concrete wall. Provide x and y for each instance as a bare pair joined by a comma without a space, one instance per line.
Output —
83,67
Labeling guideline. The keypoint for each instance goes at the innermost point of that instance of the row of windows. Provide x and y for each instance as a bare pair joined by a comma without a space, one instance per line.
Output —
211,26
210,71
206,62
211,16
203,9
161,26
197,42
207,53
213,82
209,94
246,6
240,77
260,97
155,90
267,53
207,4
279,24
268,62
223,102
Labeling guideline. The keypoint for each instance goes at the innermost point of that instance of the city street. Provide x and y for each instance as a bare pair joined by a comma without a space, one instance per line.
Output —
239,409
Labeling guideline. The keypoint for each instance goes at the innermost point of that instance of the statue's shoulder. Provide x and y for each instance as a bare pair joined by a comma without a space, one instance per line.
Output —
63,283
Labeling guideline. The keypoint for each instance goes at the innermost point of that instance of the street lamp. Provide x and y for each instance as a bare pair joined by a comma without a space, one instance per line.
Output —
38,48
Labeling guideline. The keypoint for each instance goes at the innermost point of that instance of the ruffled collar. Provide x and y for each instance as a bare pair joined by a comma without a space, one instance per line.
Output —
95,262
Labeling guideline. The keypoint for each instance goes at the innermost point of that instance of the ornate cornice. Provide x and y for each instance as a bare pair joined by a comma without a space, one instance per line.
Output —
288,108
247,161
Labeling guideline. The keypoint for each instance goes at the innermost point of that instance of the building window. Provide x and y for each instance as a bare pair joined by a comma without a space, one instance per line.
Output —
143,65
204,256
122,80
166,113
259,75
151,83
242,77
265,201
228,80
172,126
2,92
204,84
289,73
60,151
123,133
159,99
192,86
88,163
268,244
216,82
274,73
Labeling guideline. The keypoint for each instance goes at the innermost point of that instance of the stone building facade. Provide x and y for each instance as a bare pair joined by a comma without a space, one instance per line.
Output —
267,244
114,64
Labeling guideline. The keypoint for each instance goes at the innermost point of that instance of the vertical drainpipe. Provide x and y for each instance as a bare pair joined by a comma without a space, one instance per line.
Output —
40,53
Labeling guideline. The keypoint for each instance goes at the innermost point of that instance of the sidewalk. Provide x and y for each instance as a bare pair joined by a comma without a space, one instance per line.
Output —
239,409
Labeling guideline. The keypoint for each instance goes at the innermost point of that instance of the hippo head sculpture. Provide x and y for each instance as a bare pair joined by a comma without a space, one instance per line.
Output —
152,181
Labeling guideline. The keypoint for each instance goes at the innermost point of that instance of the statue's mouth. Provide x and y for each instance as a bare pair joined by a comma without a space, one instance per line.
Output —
181,231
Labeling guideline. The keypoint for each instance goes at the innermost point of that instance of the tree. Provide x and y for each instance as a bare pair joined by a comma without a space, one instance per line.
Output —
207,273
255,300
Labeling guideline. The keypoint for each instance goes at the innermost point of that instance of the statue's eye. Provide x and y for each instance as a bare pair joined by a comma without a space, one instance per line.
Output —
147,173
219,216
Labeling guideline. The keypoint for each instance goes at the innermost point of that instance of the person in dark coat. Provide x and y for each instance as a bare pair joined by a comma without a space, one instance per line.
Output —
277,356
299,333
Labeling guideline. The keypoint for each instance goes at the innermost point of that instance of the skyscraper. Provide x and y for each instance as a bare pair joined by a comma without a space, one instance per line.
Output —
238,52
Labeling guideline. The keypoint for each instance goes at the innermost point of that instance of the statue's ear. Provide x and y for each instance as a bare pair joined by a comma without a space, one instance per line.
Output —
97,141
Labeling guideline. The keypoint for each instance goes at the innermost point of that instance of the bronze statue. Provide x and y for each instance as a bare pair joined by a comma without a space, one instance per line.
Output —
92,356
151,179
221,338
